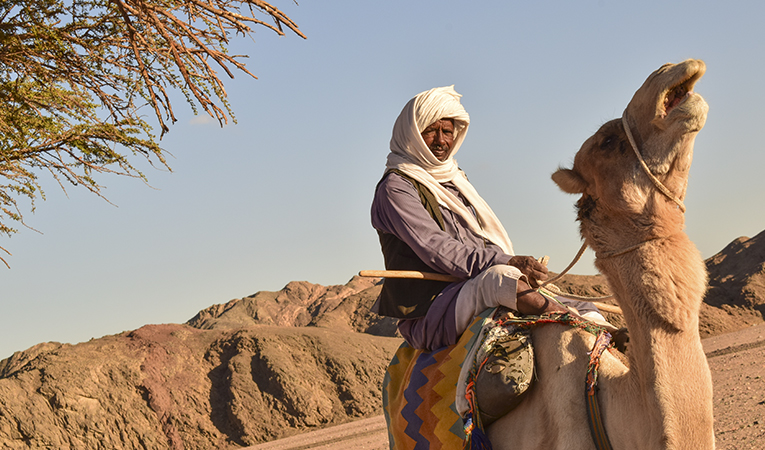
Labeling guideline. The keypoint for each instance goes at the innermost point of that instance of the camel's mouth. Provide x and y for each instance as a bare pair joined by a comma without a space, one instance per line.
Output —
678,93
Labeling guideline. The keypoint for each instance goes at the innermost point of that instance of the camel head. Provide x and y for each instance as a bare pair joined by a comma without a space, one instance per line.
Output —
619,204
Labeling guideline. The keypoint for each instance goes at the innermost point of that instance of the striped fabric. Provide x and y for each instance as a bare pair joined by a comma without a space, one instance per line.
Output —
419,390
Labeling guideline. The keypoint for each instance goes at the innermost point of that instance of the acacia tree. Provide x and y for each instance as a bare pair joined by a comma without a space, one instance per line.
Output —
75,76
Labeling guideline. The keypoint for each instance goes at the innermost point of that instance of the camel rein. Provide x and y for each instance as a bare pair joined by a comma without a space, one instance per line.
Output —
659,185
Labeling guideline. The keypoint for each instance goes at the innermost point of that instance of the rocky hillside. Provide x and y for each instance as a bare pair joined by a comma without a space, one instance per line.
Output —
178,387
261,367
736,285
302,304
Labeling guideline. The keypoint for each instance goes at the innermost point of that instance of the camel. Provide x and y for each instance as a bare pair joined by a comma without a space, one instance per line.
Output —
663,398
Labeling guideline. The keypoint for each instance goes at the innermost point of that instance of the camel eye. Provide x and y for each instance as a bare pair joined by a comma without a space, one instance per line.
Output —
609,142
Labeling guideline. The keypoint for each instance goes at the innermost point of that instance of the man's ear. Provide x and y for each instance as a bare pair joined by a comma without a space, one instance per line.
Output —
569,181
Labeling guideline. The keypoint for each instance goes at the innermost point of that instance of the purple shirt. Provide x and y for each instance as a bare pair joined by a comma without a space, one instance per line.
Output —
457,251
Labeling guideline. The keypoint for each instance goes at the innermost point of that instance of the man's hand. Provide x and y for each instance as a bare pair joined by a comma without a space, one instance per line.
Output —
529,301
533,269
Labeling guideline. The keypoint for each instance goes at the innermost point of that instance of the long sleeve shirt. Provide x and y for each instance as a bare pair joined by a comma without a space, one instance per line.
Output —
397,209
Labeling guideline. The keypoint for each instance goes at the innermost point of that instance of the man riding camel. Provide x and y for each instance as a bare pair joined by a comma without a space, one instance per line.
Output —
430,218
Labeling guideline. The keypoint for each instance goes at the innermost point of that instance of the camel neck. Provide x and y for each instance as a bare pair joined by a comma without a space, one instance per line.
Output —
661,305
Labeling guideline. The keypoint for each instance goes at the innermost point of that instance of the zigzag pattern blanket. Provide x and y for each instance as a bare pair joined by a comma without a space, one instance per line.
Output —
419,392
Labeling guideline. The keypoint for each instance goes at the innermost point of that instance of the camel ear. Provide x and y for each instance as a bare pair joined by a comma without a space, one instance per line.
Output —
569,181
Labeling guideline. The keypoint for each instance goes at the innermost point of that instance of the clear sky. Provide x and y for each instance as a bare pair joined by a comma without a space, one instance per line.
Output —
284,194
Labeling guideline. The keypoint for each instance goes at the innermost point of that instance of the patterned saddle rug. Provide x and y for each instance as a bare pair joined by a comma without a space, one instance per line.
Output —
419,393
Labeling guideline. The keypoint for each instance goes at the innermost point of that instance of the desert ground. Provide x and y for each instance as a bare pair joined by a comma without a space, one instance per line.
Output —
735,359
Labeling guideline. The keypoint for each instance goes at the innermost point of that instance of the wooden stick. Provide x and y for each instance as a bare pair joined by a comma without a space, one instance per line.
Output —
606,307
417,275
412,274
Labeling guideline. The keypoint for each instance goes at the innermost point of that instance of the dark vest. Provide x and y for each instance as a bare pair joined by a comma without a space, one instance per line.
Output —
406,298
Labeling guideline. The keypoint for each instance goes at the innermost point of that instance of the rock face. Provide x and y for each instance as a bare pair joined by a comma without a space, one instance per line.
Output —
177,387
261,367
736,285
302,304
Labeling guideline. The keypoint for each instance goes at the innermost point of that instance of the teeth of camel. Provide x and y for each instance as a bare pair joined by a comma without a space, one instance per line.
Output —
674,97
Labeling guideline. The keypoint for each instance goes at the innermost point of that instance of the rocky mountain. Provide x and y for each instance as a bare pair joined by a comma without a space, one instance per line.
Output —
178,387
736,284
301,304
261,367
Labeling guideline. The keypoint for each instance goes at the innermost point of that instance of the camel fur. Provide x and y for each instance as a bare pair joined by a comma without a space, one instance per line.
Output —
663,399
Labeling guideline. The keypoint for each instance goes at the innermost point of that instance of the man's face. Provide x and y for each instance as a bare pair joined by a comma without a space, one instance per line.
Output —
439,137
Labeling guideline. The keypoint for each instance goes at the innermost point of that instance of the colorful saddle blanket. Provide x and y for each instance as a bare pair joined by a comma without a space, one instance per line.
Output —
419,392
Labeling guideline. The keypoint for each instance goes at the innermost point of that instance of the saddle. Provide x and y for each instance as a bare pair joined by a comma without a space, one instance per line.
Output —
424,392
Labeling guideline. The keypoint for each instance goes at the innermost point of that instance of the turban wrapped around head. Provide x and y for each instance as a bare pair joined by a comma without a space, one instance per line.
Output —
409,154
421,111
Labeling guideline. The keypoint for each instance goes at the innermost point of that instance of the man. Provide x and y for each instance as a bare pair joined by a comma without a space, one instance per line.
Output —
430,218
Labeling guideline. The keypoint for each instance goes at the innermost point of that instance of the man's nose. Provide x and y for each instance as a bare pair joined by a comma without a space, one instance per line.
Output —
440,137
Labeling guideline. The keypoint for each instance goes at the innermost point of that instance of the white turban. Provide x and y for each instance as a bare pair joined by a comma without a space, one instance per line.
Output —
410,155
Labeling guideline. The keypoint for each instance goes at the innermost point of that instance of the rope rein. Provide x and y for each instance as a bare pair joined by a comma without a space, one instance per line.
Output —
553,289
565,271
663,189
628,249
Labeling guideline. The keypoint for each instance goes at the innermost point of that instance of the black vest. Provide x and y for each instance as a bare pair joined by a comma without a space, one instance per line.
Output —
406,298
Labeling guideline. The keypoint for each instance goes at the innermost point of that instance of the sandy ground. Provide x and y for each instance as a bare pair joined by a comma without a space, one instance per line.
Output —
364,434
737,362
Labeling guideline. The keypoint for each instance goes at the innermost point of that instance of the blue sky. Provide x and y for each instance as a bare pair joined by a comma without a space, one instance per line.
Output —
284,194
